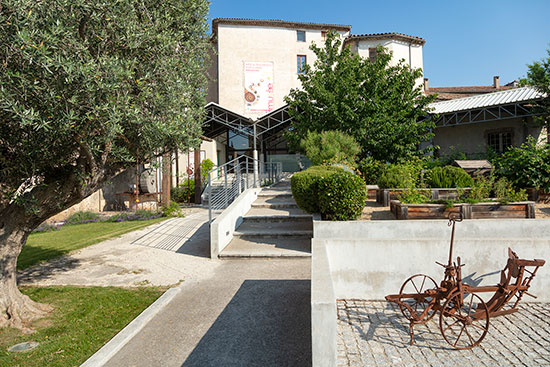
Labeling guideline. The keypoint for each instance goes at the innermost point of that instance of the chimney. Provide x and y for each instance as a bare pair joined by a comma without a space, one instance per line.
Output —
426,88
496,82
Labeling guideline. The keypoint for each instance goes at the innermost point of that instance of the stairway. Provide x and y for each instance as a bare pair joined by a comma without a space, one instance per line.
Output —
273,228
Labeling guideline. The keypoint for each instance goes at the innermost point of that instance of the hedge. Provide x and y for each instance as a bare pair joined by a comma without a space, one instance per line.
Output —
330,191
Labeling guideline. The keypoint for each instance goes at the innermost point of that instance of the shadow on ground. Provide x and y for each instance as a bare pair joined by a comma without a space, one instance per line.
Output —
267,323
48,269
198,244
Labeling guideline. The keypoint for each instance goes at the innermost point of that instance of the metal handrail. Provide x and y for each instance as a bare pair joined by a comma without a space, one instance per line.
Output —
228,181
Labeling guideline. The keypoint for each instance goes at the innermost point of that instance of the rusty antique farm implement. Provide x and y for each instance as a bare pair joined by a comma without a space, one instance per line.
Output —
464,315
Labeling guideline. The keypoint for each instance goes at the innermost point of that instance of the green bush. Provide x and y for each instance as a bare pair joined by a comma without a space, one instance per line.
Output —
304,187
505,192
172,210
526,166
371,169
331,191
448,177
397,176
330,147
414,196
342,195
182,193
206,166
82,217
482,187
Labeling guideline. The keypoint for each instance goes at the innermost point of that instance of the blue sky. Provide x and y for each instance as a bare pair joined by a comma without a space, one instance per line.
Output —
467,42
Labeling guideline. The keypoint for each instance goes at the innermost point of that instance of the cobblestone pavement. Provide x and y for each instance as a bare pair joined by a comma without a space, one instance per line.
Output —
375,333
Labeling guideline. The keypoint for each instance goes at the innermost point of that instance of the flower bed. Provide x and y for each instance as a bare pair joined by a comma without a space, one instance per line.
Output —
520,209
385,196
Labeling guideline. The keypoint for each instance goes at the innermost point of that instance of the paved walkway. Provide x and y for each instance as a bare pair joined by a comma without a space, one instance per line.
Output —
249,313
374,333
163,254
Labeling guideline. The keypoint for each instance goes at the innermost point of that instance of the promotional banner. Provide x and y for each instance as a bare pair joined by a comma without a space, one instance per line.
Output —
258,87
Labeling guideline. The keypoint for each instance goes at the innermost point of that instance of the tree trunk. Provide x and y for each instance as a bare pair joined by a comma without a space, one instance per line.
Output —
16,309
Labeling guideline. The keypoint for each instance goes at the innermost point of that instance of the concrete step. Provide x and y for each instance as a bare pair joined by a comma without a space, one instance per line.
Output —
271,194
267,248
264,212
248,227
278,218
281,205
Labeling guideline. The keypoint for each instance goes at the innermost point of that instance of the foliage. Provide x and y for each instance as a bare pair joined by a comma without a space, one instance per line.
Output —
505,192
526,166
82,217
341,195
482,188
398,176
538,76
375,102
172,210
330,146
140,214
305,188
184,192
88,87
414,196
206,166
83,320
371,169
448,177
48,245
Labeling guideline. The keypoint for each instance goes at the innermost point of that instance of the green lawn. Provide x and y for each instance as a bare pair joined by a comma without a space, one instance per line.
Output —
83,320
47,245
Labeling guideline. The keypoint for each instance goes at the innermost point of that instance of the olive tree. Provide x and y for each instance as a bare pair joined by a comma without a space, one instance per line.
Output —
87,88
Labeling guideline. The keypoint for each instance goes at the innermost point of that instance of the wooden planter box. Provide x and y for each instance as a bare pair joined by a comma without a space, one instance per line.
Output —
521,209
384,196
537,195
372,190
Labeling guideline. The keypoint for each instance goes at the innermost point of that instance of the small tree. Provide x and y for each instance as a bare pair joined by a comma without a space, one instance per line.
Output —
377,103
87,88
330,147
538,76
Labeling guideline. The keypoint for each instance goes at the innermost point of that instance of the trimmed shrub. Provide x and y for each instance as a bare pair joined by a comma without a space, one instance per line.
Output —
331,191
342,195
206,166
448,177
304,187
82,217
397,176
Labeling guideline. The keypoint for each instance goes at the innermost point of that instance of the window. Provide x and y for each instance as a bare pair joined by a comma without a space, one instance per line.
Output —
324,35
372,54
301,62
300,36
499,141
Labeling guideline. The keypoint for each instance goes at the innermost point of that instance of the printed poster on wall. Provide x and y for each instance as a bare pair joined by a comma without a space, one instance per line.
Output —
258,87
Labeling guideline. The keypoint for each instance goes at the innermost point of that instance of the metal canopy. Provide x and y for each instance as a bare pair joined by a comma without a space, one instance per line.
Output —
268,128
503,105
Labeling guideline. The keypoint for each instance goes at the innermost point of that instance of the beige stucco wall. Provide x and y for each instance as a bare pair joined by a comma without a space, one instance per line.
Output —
411,53
210,149
239,43
471,138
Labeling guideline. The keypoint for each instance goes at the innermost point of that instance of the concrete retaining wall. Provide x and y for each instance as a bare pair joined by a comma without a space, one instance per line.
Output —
323,309
223,227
